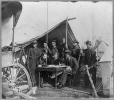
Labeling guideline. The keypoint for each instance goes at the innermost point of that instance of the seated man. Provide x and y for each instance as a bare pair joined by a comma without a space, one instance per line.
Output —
73,66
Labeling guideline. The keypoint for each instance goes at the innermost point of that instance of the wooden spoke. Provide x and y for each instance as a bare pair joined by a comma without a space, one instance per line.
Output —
17,73
20,76
16,77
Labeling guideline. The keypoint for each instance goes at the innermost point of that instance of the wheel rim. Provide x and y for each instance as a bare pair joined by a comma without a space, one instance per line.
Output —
16,78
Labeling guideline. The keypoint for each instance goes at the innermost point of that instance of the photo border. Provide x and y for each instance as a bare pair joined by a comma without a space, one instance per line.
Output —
64,98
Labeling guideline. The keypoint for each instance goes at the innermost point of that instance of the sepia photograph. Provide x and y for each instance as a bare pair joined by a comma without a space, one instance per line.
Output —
56,49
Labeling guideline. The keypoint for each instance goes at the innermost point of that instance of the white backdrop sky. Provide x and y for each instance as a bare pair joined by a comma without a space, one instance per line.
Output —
91,19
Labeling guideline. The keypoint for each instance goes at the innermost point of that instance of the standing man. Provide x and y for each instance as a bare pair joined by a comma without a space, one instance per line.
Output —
90,59
34,58
54,53
76,53
72,68
76,50
46,52
62,50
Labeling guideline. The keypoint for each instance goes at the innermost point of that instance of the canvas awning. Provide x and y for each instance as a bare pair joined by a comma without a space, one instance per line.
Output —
57,33
28,30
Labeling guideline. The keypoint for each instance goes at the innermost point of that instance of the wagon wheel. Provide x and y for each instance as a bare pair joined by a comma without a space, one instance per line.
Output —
15,78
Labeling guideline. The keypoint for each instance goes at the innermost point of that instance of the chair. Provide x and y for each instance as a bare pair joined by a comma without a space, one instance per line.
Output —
71,78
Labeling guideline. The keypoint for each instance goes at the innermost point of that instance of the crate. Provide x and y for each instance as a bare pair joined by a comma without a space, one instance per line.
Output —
7,58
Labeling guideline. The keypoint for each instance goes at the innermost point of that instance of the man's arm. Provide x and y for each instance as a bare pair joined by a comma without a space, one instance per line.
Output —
94,59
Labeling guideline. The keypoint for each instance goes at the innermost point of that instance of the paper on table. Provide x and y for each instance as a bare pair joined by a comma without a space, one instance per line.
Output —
56,66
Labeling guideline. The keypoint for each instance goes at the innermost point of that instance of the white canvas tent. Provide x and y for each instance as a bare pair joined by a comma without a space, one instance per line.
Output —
100,48
106,70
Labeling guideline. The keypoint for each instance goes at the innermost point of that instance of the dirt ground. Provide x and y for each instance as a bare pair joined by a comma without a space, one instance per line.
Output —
50,91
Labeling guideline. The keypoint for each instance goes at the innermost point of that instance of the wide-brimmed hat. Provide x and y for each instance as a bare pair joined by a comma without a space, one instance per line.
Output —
88,42
54,41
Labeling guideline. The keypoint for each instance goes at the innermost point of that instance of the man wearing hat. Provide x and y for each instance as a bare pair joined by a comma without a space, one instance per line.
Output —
77,54
72,68
33,59
90,59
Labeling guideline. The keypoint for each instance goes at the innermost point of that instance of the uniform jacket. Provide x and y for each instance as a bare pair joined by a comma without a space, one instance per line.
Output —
72,62
54,50
90,57
75,52
46,51
62,50
34,57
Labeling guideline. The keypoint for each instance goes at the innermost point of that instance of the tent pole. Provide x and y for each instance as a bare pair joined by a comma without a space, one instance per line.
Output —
47,30
13,41
66,31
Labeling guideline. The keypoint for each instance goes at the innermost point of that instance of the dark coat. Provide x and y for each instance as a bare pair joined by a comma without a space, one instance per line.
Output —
48,53
75,52
34,58
54,50
62,49
72,62
45,50
90,57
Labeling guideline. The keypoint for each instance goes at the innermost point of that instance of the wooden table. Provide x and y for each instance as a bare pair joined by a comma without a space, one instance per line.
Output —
52,68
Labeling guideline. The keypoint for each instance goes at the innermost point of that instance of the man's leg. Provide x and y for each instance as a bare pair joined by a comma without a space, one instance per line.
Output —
94,76
42,79
63,77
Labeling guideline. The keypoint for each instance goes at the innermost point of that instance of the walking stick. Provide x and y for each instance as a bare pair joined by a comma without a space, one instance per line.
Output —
91,81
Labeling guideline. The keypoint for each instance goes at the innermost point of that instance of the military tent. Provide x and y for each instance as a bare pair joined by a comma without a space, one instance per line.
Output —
29,28
32,26
100,48
107,70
